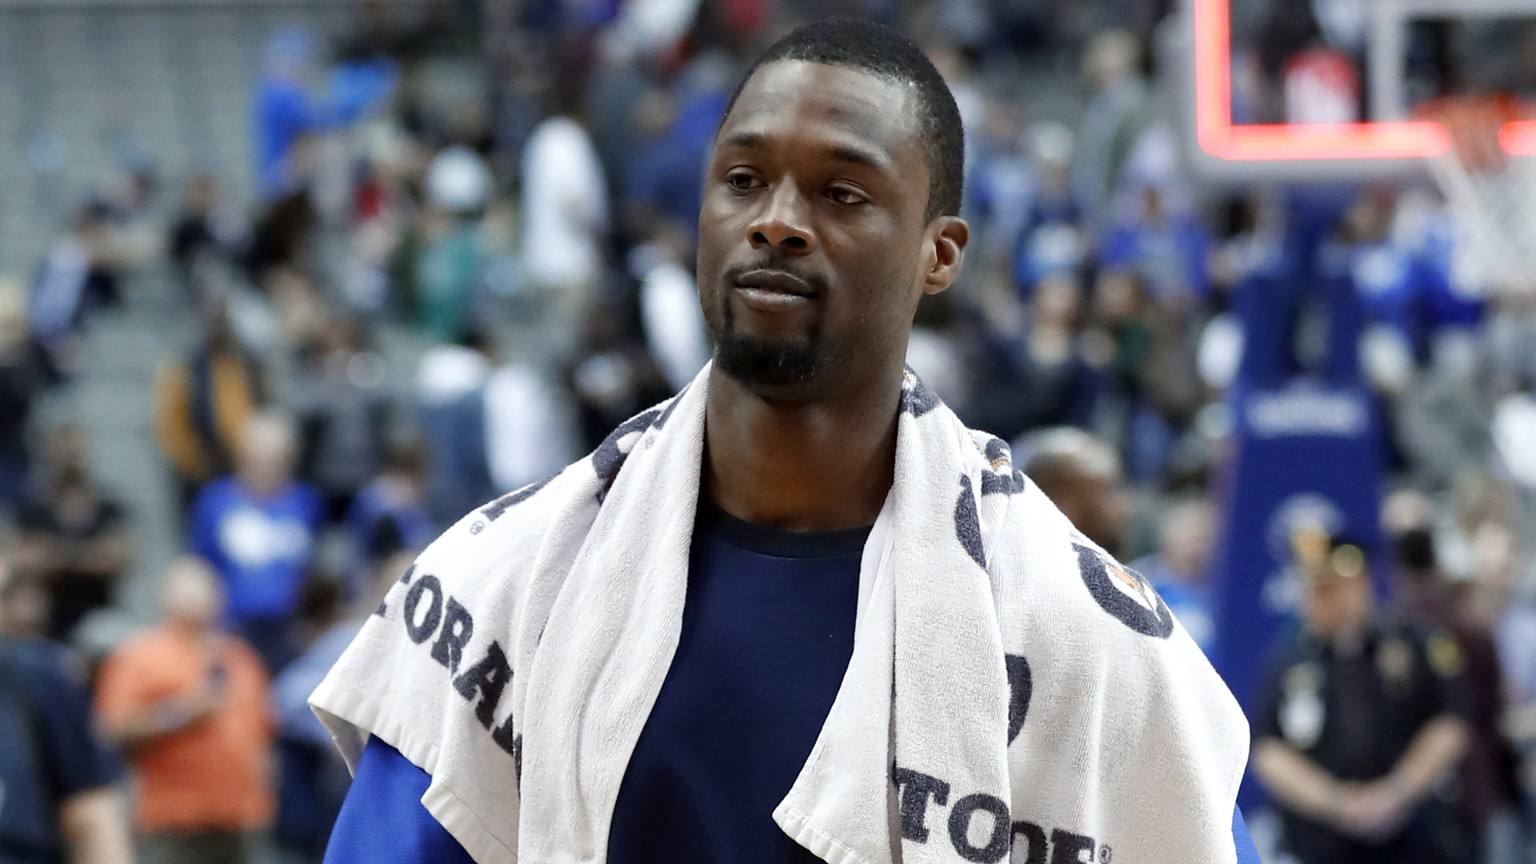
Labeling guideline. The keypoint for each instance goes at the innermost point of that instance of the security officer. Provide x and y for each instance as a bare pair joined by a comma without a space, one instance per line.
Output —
1359,722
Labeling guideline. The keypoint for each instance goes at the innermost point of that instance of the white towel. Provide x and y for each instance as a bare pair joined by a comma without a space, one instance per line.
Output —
1011,687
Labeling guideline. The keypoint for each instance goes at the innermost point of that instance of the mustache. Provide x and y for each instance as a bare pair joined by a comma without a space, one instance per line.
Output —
734,272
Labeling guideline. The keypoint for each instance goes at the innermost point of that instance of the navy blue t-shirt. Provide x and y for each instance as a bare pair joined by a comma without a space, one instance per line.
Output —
767,633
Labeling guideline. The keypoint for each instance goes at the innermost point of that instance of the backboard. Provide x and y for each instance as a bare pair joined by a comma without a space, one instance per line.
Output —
1339,103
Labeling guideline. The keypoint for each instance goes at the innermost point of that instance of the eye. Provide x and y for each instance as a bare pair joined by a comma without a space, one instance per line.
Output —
741,181
846,195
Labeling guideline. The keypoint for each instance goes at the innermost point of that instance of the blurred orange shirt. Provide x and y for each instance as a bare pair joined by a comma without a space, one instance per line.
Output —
214,774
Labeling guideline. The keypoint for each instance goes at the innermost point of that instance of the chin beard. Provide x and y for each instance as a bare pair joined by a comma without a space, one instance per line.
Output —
759,364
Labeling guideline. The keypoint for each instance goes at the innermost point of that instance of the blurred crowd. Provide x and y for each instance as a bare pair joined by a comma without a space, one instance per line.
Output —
427,304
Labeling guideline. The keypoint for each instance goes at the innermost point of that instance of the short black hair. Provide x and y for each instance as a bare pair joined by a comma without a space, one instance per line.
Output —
869,47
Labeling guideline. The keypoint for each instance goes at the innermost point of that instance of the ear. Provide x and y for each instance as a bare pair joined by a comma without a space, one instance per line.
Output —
947,238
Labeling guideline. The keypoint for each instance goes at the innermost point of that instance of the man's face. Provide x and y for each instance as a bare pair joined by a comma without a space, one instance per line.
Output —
813,246
1337,604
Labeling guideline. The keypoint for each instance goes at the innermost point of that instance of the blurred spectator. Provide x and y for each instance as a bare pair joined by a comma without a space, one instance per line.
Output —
258,529
1392,281
1358,723
283,237
525,427
202,404
669,305
1508,607
1045,378
188,704
342,408
451,260
1426,599
74,539
1151,386
565,221
1169,251
999,181
1120,110
1051,240
450,386
79,275
57,801
204,233
613,378
137,237
21,376
287,106
383,212
666,172
313,780
389,515
1082,478
1178,569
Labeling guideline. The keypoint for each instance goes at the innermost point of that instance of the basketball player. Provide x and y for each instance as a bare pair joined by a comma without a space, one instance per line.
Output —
830,209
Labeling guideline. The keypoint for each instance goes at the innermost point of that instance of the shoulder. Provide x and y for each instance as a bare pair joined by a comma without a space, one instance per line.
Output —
146,646
239,652
48,673
215,493
38,659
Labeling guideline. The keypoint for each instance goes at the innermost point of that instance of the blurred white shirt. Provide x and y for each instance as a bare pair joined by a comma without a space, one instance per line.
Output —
565,205
674,324
523,434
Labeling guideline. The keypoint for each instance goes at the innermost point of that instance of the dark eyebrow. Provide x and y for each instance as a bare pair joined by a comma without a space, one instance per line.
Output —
750,140
747,140
857,156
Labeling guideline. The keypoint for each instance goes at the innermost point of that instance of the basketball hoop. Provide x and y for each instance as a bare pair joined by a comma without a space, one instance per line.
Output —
1490,192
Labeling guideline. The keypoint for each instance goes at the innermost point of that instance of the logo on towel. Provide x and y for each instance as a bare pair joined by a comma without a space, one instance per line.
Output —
916,398
1124,593
435,620
1021,686
979,828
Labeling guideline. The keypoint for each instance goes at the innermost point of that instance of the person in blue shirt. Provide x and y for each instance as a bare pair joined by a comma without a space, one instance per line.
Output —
1178,569
257,528
829,210
1169,250
285,110
57,801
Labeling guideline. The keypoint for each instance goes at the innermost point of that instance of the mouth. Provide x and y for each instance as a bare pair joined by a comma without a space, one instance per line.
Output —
774,290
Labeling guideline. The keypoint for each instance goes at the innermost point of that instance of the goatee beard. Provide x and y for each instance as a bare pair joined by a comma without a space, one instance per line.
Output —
760,364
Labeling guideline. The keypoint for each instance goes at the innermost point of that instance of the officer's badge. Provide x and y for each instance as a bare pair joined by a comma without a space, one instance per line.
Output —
1301,706
1445,655
1394,662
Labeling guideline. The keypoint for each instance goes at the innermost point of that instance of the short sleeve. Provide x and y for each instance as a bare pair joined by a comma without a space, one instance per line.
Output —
119,688
383,820
1445,674
1247,853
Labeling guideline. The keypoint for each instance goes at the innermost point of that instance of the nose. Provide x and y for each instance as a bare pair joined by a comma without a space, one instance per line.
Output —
784,222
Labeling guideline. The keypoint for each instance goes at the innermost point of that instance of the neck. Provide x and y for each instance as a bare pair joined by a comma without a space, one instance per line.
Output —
814,466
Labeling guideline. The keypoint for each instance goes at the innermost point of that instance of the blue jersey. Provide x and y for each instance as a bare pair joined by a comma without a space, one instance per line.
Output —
260,546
